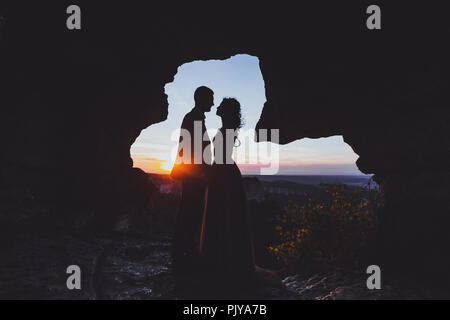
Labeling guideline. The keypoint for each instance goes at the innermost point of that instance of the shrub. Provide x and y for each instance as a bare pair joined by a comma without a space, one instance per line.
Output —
331,231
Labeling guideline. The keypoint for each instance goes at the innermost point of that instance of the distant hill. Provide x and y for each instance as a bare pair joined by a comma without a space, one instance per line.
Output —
351,180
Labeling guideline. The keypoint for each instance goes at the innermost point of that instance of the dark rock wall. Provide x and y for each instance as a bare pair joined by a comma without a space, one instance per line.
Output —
73,102
387,93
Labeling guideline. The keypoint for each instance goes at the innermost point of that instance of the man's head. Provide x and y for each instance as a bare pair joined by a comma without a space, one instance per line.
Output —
204,98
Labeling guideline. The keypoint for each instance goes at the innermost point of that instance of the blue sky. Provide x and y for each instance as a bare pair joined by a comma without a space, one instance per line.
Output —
241,78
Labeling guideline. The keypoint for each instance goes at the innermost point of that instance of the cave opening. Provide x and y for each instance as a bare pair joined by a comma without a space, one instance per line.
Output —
240,77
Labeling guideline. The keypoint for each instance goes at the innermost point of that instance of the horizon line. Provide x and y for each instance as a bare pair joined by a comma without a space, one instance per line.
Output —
271,175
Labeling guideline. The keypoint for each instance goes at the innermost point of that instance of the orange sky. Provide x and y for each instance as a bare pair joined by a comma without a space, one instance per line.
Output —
152,165
157,166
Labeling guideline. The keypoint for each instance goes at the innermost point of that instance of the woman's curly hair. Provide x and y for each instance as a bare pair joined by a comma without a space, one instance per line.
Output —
232,110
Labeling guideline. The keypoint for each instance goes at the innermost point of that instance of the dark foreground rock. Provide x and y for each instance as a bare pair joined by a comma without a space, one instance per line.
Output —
35,268
117,267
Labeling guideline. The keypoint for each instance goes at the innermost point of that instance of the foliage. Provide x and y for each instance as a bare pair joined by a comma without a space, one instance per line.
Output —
331,231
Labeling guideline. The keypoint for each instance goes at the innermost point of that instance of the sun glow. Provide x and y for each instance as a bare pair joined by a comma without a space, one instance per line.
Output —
166,165
153,165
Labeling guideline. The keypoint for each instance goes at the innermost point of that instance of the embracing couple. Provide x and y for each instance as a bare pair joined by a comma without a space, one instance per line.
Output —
212,238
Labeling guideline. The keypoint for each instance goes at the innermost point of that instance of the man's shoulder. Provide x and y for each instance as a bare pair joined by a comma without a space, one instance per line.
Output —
187,120
188,116
192,116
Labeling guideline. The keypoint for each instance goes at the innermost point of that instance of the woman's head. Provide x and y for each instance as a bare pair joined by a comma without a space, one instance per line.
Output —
230,112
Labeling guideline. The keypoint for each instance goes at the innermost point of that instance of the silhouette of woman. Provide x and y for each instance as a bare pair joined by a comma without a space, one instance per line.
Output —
226,248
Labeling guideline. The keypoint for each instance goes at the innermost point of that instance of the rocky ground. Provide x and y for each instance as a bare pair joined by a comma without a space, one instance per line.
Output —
120,267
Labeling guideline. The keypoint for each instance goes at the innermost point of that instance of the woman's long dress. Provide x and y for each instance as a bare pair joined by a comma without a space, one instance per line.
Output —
226,247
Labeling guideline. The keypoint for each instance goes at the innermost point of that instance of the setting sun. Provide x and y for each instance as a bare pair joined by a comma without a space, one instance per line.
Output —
153,165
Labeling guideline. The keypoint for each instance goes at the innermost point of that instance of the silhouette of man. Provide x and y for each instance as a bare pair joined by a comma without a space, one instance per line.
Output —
191,169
